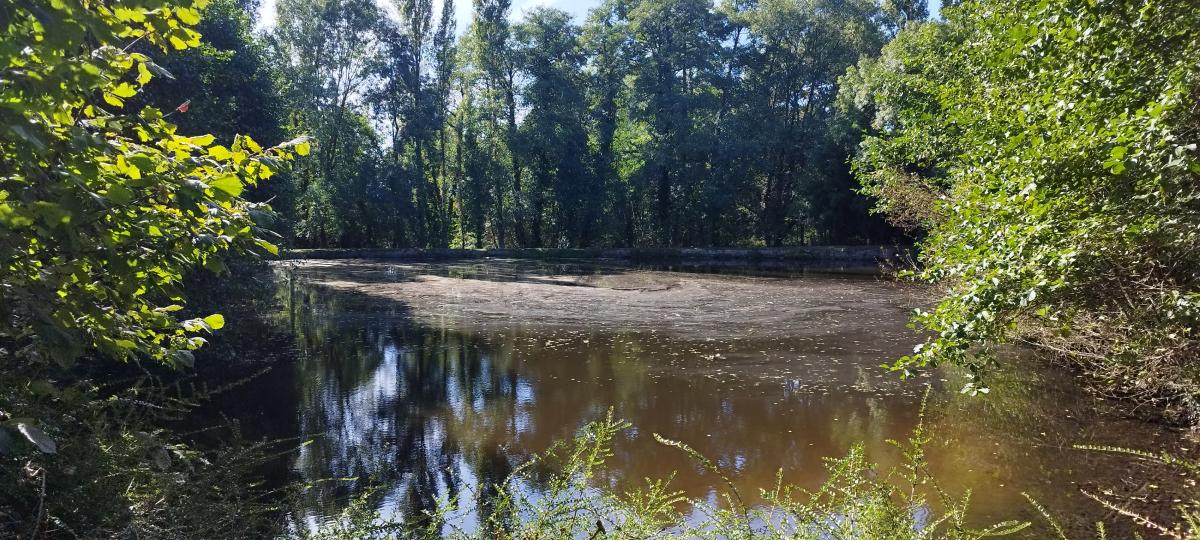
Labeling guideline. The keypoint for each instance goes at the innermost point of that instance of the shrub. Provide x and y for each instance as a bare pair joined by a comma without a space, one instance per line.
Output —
1068,186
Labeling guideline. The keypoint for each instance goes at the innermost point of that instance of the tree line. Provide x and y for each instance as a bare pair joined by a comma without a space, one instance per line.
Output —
652,122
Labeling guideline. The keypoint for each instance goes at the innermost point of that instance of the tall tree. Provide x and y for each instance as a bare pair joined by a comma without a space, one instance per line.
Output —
445,64
605,38
798,50
659,122
553,136
406,100
326,54
492,53
675,48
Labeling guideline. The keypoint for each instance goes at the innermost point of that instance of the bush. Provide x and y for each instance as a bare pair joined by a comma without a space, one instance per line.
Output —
1068,187
102,212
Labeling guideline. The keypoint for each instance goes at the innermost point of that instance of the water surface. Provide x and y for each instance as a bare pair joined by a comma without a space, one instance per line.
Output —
432,379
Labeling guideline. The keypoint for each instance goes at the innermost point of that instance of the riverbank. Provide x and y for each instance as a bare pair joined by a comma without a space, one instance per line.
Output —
859,255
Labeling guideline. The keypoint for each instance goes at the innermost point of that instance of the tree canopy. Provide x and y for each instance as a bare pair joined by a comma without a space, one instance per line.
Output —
1050,154
654,122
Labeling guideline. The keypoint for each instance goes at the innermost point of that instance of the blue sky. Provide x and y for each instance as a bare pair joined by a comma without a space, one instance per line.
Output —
577,8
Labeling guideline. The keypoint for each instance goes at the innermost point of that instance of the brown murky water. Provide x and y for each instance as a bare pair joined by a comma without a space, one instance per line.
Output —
432,379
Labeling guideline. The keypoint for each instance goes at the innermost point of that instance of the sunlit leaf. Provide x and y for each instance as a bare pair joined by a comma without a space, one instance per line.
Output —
215,321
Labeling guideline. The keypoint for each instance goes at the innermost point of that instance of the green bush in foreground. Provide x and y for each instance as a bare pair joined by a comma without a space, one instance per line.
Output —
1049,148
102,213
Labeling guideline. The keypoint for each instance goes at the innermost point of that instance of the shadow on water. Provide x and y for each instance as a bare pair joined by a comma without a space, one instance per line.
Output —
427,411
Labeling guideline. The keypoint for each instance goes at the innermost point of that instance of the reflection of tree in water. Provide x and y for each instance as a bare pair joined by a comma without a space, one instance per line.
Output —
387,399
428,412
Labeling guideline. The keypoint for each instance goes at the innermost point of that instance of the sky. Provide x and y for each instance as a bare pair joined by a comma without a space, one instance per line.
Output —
577,8
462,8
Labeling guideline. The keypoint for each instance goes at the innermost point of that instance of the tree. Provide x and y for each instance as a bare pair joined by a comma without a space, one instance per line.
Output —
659,122
101,212
797,52
675,45
553,134
901,163
415,71
491,52
325,54
604,39
1068,204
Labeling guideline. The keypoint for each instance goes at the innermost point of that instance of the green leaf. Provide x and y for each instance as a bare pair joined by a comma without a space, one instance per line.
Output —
187,15
124,90
229,184
202,140
271,248
215,321
119,194
144,75
250,144
220,153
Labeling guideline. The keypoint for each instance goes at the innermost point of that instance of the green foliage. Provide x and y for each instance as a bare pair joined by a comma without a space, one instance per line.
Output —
323,63
654,122
894,98
114,472
102,212
1068,199
553,135
230,84
229,80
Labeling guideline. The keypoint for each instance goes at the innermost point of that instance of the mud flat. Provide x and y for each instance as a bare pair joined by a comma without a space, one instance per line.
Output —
621,298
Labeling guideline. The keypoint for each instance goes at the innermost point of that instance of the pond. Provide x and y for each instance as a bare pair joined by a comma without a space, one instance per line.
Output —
429,379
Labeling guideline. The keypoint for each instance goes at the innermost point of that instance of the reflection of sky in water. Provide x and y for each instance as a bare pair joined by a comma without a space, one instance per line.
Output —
427,413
